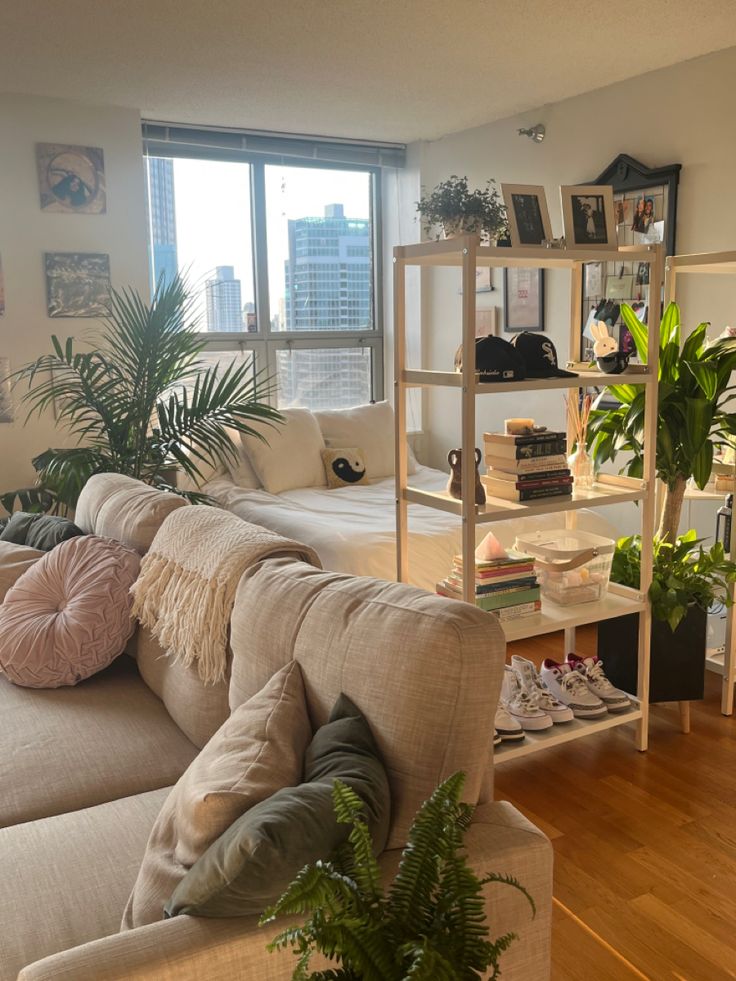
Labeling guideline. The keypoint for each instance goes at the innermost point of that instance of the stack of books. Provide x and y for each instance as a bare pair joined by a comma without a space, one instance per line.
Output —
528,467
507,587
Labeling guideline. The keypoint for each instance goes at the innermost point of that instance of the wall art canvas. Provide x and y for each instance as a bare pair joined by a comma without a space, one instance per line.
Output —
77,284
71,179
523,307
6,405
2,289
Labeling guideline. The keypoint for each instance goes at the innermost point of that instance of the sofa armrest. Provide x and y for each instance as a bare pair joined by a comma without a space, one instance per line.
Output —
188,948
502,840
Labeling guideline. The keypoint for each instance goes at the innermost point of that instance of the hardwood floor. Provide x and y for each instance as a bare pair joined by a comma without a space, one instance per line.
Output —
645,843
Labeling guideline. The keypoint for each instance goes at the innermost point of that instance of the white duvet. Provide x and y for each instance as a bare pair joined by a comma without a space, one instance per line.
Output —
353,528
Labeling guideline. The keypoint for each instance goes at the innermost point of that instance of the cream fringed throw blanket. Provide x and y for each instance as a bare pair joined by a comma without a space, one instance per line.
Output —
186,587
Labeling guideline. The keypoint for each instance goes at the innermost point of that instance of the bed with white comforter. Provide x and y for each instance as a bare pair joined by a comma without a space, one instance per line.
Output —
353,528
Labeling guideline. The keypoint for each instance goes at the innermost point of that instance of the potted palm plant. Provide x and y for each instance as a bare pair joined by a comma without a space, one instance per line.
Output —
452,209
430,924
692,420
139,400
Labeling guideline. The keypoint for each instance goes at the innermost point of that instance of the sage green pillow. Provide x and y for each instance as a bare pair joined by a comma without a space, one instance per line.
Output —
250,865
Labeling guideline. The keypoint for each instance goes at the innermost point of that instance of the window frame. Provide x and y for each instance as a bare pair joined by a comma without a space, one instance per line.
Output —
265,342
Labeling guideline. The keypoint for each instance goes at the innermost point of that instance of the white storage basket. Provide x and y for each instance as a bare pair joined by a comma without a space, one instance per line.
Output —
572,566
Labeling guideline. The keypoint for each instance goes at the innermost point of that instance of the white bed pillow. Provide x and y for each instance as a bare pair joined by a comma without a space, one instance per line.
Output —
292,457
241,471
371,427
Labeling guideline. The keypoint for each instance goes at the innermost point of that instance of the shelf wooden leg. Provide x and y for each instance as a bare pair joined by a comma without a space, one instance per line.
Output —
727,697
684,716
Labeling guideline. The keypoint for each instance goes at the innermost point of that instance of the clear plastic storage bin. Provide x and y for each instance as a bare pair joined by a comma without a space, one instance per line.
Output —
572,566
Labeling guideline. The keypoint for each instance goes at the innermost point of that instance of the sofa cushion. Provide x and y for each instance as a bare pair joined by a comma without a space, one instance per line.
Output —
114,506
64,880
68,616
198,709
291,455
251,864
425,671
259,750
41,531
14,560
69,748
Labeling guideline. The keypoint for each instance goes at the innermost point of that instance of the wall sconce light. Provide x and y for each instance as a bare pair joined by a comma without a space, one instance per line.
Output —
536,133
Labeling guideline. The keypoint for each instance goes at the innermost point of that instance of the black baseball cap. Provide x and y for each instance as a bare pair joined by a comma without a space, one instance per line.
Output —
495,360
539,356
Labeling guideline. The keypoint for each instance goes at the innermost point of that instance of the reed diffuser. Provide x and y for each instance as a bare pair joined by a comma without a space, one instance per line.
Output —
579,462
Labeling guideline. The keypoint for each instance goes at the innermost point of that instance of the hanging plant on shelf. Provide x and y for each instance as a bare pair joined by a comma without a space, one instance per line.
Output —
452,209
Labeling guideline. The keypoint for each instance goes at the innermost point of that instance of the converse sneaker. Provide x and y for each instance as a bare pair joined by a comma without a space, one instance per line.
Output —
496,738
522,706
591,668
532,685
569,686
507,728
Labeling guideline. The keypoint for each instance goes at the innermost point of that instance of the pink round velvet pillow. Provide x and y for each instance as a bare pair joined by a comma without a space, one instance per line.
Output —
68,616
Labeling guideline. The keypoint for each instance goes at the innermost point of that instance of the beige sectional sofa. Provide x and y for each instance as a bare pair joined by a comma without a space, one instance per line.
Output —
85,770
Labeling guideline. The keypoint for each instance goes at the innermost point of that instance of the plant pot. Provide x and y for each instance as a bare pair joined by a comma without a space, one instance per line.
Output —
677,669
614,364
459,226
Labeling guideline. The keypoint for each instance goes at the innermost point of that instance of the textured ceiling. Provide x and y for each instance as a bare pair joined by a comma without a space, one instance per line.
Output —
395,70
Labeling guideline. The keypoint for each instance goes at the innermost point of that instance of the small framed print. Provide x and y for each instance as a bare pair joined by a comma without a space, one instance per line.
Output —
523,306
588,216
526,207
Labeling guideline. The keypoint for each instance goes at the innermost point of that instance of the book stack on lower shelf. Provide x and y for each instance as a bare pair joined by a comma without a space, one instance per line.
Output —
506,586
527,467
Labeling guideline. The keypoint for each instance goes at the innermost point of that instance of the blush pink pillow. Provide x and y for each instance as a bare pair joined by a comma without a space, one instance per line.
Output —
68,616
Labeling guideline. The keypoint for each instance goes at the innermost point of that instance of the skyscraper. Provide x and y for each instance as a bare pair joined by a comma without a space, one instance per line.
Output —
162,218
328,286
328,272
224,305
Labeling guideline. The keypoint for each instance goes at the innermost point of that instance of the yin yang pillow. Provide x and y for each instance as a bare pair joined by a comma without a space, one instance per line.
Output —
344,467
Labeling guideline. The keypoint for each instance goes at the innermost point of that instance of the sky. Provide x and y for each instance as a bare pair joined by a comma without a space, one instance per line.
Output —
213,215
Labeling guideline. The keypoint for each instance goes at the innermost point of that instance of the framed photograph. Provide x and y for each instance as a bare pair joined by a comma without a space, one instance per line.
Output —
483,281
6,405
77,284
523,306
71,179
588,217
526,206
486,322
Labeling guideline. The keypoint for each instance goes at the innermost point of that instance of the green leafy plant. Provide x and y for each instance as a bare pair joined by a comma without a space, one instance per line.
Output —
685,574
140,401
454,208
692,414
429,926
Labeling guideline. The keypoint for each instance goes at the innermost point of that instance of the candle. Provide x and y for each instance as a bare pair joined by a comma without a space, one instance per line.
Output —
517,427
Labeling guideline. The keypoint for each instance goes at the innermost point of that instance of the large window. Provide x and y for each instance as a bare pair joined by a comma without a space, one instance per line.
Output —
282,257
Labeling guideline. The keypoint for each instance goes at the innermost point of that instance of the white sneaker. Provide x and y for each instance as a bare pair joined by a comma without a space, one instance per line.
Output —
532,685
507,728
520,705
496,738
570,687
591,668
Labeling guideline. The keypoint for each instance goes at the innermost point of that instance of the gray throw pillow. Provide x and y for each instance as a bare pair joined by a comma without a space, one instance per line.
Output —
40,531
250,865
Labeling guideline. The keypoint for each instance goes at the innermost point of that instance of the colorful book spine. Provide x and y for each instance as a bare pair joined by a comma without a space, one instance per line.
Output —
554,463
511,439
523,478
456,583
528,451
517,612
495,602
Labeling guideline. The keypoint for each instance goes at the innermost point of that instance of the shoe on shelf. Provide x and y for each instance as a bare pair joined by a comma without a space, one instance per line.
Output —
506,727
532,685
520,705
497,740
570,687
591,668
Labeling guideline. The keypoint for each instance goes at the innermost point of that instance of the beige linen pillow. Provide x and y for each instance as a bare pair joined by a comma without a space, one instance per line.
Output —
256,752
292,455
369,426
14,560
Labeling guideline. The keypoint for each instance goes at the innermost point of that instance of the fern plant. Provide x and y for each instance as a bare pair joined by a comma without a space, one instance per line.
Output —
138,401
429,926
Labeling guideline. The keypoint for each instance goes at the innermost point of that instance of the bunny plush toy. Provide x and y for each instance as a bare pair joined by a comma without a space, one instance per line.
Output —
607,355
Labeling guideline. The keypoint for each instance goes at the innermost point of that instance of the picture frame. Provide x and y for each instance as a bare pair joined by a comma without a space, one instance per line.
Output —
71,179
523,300
588,216
528,215
6,401
77,284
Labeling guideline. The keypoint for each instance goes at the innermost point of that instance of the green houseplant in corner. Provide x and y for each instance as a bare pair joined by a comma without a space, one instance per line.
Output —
692,419
453,209
429,925
139,400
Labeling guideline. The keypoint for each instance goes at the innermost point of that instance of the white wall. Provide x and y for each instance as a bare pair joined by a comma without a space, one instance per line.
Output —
26,233
677,115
